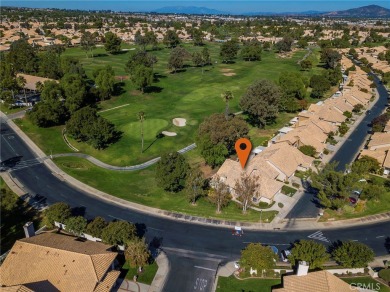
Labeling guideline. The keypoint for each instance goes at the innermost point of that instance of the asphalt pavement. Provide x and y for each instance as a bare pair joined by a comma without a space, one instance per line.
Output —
349,150
189,246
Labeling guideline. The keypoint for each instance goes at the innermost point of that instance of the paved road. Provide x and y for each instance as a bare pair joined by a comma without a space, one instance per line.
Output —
189,246
306,206
349,150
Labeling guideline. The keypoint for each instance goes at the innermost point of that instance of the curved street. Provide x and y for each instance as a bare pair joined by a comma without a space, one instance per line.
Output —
195,251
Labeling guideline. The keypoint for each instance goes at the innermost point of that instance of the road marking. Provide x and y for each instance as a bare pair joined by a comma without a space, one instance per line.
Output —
9,145
380,236
318,236
117,218
155,228
204,268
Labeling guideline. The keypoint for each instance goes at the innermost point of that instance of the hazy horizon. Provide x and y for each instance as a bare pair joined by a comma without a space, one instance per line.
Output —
223,6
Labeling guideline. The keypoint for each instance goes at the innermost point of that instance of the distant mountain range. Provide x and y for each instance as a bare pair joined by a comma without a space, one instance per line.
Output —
370,11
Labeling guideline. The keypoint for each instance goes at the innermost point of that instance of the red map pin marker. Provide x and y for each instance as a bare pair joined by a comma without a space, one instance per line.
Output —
243,148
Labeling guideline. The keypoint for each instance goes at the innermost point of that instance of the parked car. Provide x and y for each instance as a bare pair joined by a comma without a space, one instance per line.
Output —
237,265
352,200
284,255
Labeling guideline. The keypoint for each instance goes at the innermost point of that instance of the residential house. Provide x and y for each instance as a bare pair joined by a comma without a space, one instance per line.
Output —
320,281
379,140
382,155
271,166
58,262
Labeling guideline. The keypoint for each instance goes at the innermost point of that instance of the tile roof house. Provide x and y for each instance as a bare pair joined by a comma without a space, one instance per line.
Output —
321,281
57,262
31,80
270,166
379,140
382,155
307,135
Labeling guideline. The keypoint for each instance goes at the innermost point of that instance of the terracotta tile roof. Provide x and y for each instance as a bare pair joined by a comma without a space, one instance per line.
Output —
32,80
108,282
54,261
308,135
286,158
17,288
321,281
379,140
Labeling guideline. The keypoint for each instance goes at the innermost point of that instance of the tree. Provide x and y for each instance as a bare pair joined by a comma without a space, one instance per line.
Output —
22,57
219,194
229,51
251,51
201,58
138,58
87,42
86,126
334,75
96,226
302,43
330,57
176,58
306,64
227,96
319,84
50,65
105,81
352,254
118,232
373,192
195,184
171,172
76,225
308,150
141,118
171,39
197,37
334,186
142,77
284,45
309,251
58,212
137,252
75,92
218,130
71,65
112,43
378,124
258,257
50,111
292,85
365,164
357,108
213,154
246,188
261,102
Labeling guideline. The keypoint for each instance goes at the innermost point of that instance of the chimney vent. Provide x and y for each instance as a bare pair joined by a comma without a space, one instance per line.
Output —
303,268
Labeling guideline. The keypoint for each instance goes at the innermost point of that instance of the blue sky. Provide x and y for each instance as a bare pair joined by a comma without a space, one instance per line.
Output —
222,5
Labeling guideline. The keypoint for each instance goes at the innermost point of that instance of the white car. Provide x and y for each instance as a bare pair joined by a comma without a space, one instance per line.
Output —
284,255
237,265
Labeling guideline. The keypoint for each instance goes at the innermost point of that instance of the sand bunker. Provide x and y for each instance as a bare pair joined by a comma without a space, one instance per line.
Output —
170,134
179,122
229,74
225,70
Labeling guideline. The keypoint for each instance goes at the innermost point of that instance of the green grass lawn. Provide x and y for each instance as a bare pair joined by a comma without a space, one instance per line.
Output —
16,215
140,187
288,191
232,284
368,283
146,276
188,94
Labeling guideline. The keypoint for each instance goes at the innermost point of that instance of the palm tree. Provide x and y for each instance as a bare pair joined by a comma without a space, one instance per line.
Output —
21,81
227,96
141,118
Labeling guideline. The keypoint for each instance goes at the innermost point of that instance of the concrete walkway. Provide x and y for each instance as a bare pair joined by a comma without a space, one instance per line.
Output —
275,224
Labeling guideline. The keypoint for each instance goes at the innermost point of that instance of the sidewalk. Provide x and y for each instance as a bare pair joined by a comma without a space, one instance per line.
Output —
292,225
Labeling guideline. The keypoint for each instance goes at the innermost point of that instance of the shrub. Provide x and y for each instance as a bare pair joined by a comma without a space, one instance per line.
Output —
326,151
385,274
308,150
